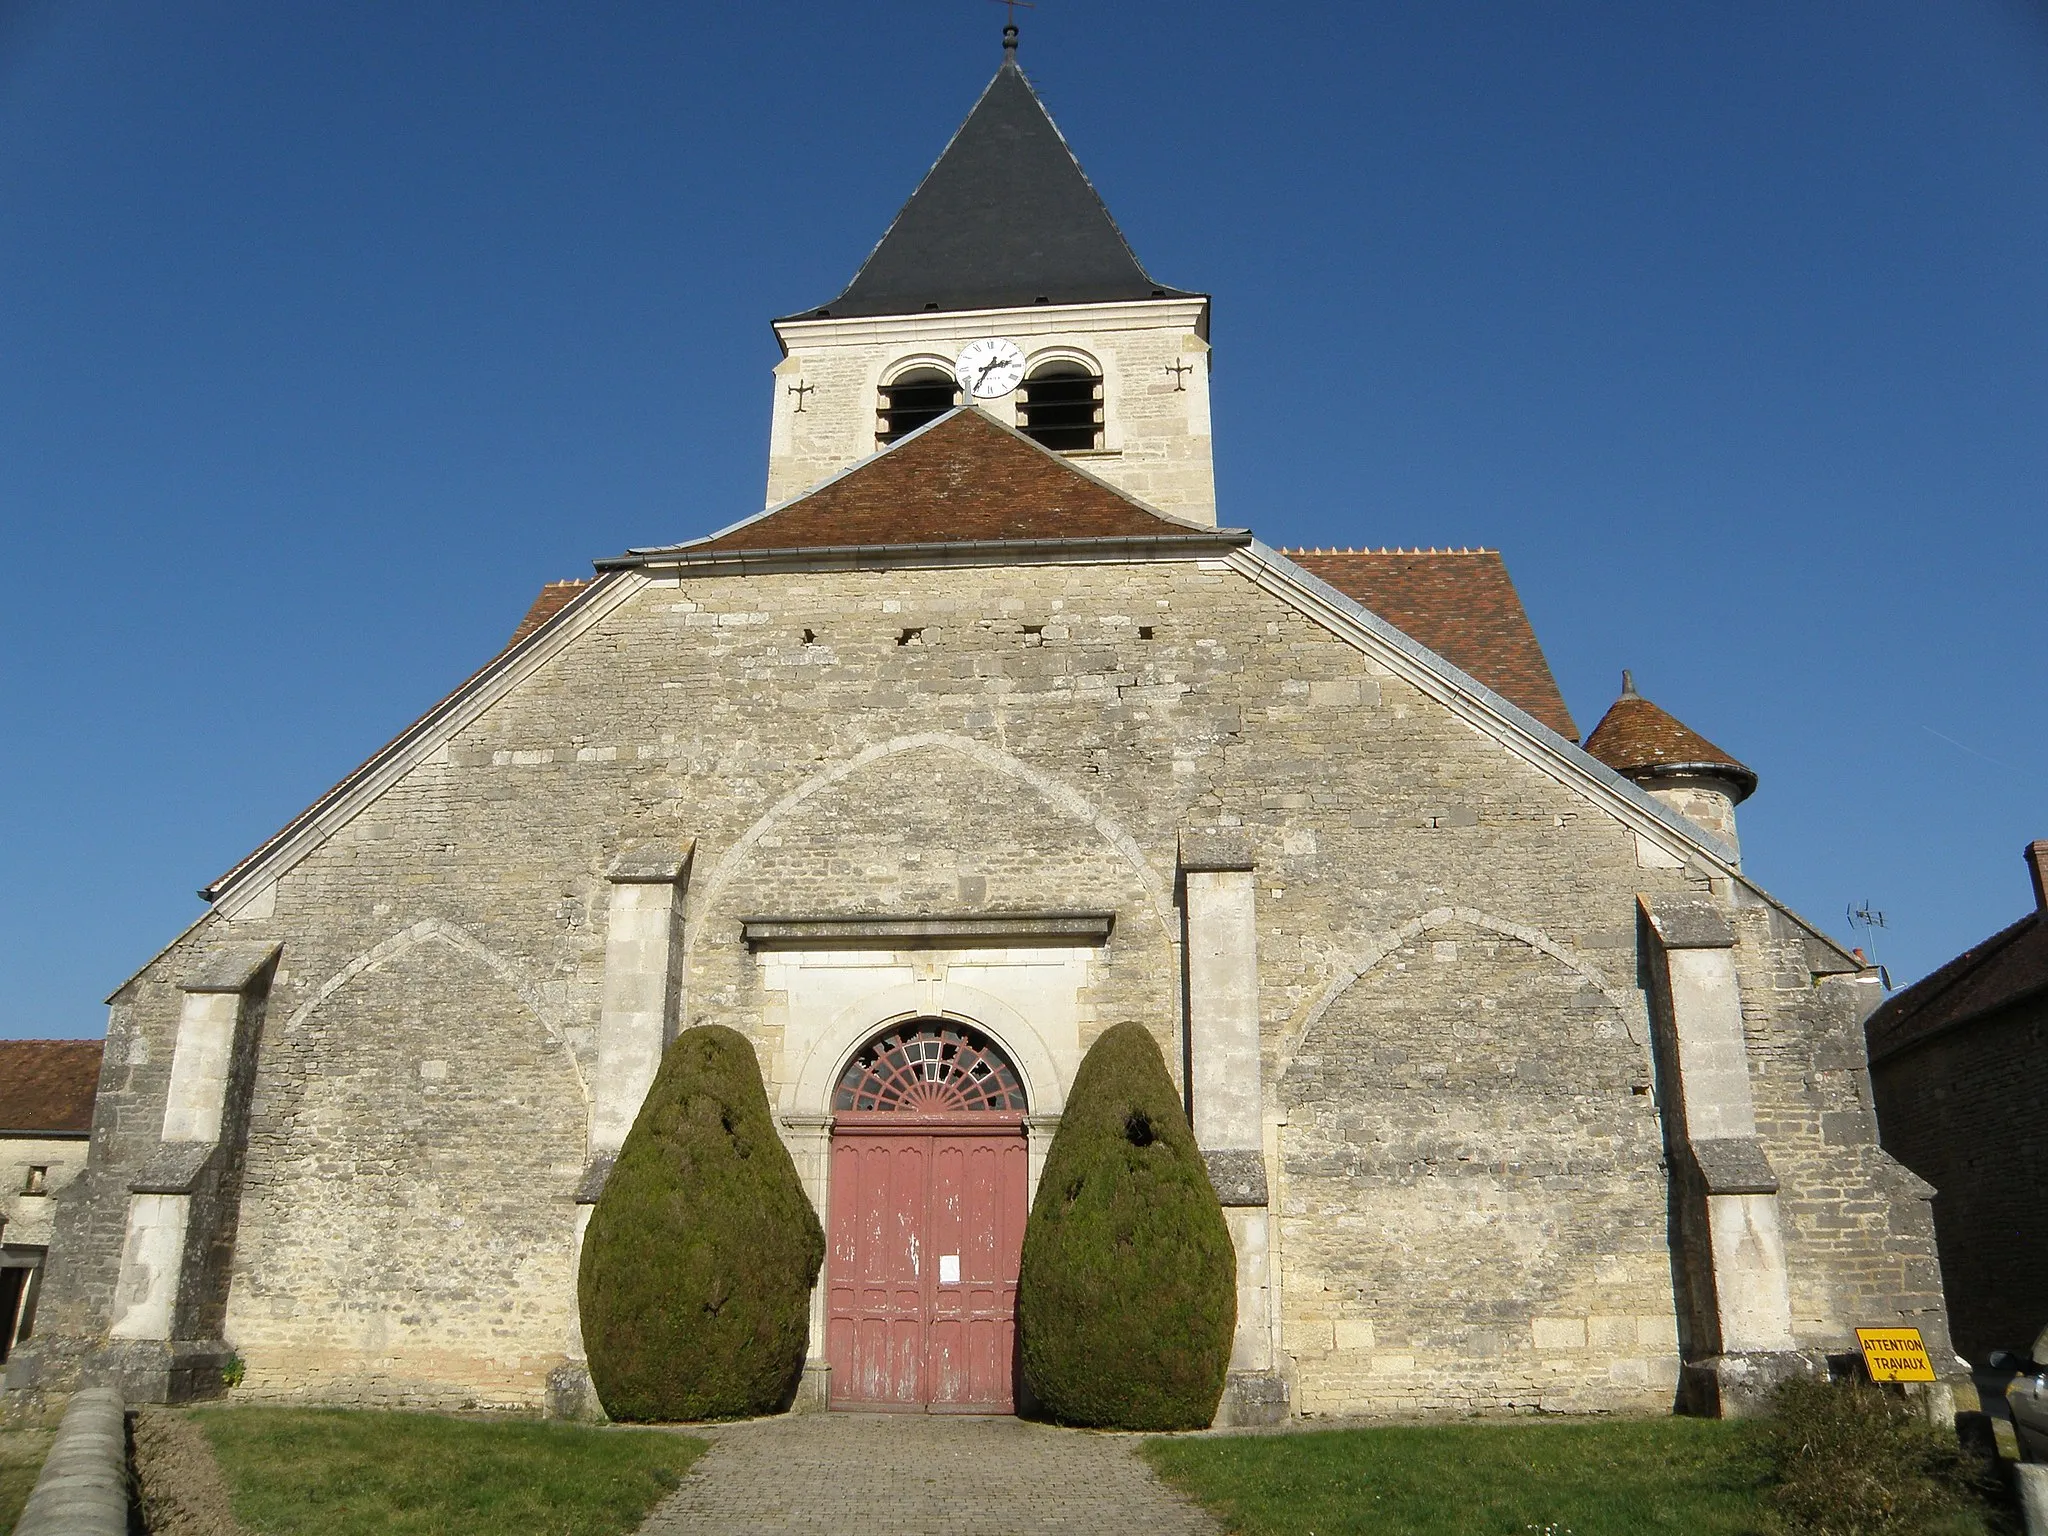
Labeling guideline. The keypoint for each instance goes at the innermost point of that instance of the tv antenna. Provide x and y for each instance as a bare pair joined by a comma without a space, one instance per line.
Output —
1862,915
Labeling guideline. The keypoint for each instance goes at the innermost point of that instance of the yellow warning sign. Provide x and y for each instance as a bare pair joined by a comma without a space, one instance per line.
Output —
1895,1354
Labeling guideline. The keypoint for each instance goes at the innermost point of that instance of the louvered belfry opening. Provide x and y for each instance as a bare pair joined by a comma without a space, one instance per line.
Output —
1061,406
922,395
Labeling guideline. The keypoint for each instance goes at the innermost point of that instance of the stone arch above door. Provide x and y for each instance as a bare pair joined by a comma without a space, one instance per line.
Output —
818,1074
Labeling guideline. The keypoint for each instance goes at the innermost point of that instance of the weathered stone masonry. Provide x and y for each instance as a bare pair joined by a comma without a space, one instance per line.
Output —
1458,1111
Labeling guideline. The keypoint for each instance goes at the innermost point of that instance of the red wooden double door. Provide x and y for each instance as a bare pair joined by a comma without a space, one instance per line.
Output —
927,1232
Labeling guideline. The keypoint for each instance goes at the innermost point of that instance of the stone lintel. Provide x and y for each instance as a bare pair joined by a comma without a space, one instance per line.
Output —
1239,1174
174,1169
1734,1165
1216,848
230,968
594,1177
1688,922
1006,930
656,863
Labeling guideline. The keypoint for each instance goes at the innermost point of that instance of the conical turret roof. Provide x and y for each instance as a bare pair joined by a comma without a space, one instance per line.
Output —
1640,741
1006,217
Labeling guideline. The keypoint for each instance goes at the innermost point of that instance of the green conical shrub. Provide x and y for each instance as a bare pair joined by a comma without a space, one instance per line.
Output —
698,1265
1128,1294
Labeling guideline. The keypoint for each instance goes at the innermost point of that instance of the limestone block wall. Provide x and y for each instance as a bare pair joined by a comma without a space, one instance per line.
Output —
1451,1033
1473,1214
1152,355
1859,1235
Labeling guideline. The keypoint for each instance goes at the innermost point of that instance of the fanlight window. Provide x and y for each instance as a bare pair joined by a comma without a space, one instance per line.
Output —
930,1067
1061,406
912,399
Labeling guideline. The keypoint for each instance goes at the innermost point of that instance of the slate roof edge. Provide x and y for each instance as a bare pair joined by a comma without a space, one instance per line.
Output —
1507,722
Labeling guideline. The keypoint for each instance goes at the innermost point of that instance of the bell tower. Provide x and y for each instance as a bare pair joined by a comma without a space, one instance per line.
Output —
1004,251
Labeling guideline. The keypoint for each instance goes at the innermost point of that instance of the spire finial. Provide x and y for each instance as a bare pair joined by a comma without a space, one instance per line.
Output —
1628,684
1010,27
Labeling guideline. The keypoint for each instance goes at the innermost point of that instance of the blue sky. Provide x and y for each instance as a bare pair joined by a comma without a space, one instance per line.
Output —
329,332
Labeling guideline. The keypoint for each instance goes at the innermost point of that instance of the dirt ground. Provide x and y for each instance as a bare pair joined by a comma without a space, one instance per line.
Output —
179,1484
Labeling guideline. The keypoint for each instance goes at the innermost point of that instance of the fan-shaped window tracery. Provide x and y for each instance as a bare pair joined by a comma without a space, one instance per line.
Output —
930,1067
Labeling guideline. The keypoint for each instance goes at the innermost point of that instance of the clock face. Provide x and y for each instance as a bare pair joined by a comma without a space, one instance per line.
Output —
990,367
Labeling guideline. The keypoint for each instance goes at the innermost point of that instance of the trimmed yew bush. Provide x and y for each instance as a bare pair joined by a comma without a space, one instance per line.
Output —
698,1264
1128,1294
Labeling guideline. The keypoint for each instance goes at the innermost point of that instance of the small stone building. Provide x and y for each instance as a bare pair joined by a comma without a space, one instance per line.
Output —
46,1093
1518,1091
1959,1061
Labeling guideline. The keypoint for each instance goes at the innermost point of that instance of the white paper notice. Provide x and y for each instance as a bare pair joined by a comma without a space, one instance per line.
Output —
949,1269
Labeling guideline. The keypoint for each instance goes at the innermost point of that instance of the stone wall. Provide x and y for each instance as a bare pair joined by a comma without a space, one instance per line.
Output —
1859,1238
1461,1128
28,1209
1963,1108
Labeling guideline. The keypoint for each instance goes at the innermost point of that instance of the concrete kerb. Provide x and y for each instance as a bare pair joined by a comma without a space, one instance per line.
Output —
2030,1482
83,1489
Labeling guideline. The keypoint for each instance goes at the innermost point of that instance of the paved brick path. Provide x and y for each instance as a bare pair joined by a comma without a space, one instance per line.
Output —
839,1474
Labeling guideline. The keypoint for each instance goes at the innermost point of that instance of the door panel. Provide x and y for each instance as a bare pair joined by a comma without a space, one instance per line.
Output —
927,1234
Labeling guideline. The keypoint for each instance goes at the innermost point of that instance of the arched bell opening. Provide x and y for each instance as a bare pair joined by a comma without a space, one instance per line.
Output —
928,1193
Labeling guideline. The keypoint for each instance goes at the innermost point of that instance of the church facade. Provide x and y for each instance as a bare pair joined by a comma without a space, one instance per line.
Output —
987,735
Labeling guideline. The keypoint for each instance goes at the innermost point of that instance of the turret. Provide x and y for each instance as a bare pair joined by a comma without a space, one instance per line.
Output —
1672,761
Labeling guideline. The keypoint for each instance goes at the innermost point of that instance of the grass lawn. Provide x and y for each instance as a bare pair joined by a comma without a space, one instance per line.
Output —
21,1458
1618,1476
295,1472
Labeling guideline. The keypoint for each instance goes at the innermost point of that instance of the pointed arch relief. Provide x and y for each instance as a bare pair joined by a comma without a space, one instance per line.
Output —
407,1215
435,930
1068,803
1627,1003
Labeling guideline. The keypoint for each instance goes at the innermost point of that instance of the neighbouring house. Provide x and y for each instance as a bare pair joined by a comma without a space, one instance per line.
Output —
1520,1092
1959,1062
46,1094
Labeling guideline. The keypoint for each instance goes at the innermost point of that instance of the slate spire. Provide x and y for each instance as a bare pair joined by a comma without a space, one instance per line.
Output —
1006,217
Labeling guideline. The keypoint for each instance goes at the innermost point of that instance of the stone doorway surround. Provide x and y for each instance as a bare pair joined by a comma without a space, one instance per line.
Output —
834,983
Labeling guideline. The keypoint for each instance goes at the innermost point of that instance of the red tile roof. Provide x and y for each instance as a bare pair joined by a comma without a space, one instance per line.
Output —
554,597
2007,968
1638,740
1462,605
48,1085
965,478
